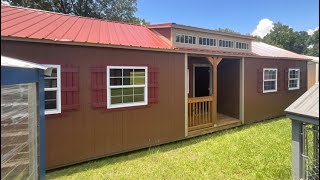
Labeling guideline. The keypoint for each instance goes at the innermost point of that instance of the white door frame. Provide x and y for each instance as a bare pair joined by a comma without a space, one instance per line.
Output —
194,74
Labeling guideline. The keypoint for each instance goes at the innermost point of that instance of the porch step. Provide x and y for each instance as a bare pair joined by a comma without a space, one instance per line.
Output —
213,129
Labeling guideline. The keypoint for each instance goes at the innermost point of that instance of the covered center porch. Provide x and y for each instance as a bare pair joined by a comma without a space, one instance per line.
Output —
214,93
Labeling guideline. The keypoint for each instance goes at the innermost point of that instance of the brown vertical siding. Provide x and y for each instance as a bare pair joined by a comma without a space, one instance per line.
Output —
166,32
229,87
260,106
91,133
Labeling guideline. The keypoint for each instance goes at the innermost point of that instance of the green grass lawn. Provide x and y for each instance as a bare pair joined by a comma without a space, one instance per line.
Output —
257,151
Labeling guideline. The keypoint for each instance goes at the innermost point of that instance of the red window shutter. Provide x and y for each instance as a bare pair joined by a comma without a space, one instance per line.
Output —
260,80
69,88
303,82
279,81
153,85
286,79
99,87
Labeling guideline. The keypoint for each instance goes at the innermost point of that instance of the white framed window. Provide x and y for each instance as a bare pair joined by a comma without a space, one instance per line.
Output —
240,45
186,39
270,77
294,79
127,86
225,43
52,90
207,41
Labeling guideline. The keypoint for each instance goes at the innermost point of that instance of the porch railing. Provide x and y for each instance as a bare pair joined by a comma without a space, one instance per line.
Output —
200,112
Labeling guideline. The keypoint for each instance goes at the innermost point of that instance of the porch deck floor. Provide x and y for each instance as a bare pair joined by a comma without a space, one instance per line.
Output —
224,122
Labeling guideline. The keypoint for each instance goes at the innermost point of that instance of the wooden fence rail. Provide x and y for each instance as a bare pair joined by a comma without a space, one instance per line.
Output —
200,112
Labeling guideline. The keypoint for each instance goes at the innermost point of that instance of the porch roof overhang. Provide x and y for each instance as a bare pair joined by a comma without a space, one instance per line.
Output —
306,108
207,52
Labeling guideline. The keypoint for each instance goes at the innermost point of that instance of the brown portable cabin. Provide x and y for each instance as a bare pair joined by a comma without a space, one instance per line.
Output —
118,87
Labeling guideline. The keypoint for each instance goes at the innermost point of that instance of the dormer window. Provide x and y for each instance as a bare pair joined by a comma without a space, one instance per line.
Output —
207,41
186,39
225,43
240,45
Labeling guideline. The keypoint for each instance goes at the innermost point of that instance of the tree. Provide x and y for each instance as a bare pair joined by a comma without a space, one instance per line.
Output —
285,37
227,30
300,42
116,10
280,36
313,42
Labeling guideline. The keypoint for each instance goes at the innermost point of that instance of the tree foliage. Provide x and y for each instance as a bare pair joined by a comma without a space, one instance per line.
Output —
227,30
313,42
299,42
116,10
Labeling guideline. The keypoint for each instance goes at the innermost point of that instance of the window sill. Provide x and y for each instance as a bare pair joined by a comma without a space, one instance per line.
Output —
126,105
52,112
273,91
292,89
127,108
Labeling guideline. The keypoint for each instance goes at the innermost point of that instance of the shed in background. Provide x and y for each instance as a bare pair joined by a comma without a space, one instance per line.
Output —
304,113
22,119
313,71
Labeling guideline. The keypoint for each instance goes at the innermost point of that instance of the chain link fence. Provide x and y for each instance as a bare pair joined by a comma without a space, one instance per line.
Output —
310,143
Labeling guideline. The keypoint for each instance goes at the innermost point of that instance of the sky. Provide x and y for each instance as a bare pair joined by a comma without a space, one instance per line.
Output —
245,16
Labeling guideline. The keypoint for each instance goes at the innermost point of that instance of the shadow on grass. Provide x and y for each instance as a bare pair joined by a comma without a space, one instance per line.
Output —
136,154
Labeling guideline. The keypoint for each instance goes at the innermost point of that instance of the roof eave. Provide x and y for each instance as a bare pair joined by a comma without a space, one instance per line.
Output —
10,38
303,118
115,46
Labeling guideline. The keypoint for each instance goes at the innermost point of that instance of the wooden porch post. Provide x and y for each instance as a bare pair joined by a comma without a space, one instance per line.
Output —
214,61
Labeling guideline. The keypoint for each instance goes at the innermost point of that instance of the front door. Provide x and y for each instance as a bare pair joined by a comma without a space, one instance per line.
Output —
202,80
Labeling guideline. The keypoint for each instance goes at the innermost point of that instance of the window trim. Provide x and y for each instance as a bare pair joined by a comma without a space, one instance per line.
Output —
240,45
57,89
125,105
298,84
276,80
208,45
192,43
225,42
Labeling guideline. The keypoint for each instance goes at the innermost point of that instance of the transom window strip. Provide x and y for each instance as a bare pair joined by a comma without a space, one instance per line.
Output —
205,41
127,85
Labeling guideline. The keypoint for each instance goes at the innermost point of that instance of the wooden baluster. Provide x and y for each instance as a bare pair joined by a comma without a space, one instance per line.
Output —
199,113
193,112
209,112
202,114
205,109
189,114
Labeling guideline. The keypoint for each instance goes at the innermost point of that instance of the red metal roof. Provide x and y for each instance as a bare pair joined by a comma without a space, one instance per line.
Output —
266,50
29,23
37,24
